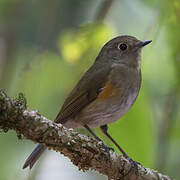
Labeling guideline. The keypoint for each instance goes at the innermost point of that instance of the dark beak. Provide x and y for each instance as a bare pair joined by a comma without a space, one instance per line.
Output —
144,43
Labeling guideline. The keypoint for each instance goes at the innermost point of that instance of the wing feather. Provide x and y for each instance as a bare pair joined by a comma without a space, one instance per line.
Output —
84,92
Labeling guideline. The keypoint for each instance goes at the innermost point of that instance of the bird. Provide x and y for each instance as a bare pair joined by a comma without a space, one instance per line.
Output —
104,93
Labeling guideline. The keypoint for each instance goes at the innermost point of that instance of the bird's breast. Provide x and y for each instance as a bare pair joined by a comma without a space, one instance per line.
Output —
117,96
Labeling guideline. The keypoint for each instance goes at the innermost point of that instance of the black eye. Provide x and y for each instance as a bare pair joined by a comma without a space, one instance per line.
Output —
122,47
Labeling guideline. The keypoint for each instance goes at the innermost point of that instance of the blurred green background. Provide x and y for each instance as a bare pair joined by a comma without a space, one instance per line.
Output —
46,46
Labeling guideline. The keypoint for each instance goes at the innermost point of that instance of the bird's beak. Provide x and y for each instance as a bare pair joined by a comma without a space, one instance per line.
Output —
144,43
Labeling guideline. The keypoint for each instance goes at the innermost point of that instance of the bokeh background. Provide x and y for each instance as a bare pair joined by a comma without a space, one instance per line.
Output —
46,46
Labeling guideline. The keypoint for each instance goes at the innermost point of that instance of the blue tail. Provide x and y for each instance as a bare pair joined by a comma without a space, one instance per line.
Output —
34,156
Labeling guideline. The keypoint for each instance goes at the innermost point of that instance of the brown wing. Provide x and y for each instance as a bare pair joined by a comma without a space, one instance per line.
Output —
84,92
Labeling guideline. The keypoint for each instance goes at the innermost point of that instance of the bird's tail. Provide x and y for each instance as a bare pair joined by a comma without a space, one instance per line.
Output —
34,156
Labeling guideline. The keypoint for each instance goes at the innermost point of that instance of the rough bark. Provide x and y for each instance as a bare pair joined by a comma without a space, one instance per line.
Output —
83,151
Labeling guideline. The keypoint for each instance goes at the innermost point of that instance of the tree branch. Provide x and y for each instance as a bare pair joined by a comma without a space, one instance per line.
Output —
83,151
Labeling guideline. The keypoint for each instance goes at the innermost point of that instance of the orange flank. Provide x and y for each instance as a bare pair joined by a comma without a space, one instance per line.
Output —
108,91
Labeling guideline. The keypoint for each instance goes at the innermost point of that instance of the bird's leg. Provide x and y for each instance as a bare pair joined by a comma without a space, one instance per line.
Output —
104,130
107,149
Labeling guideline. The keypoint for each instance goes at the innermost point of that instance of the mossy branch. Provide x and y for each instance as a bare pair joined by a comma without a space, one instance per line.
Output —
83,151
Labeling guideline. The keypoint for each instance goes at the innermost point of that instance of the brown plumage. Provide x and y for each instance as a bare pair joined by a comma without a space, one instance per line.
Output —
105,92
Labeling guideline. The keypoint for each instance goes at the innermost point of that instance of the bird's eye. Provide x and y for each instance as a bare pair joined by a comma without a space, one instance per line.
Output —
122,46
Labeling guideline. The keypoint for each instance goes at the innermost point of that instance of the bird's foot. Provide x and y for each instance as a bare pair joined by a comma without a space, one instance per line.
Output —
107,150
134,165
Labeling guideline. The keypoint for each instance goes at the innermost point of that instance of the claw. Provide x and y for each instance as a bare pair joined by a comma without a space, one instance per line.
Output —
134,164
111,149
107,149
